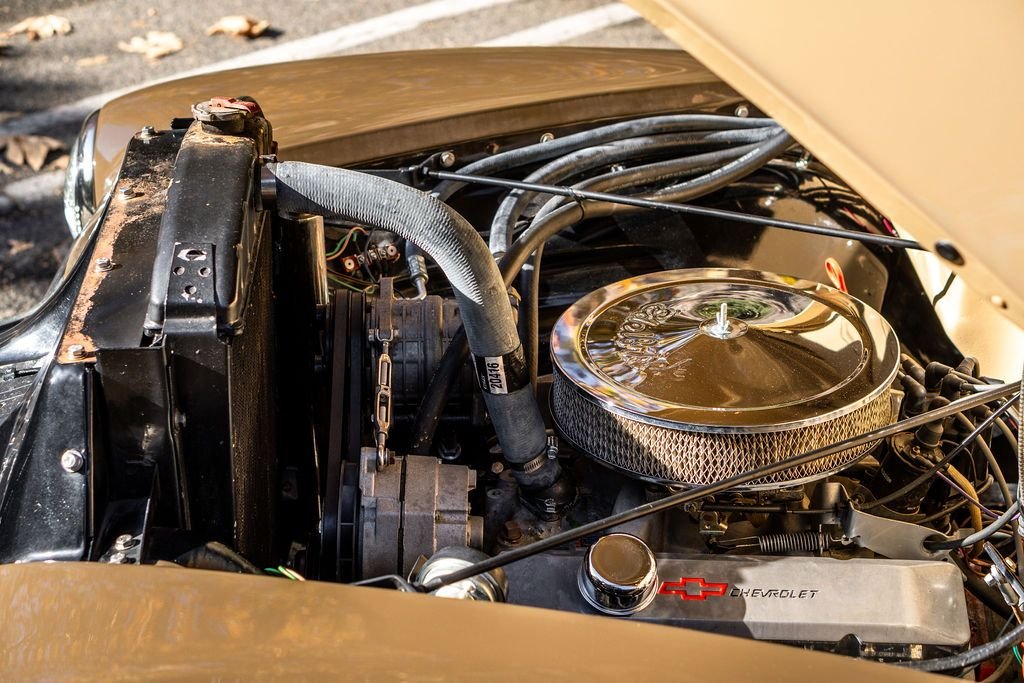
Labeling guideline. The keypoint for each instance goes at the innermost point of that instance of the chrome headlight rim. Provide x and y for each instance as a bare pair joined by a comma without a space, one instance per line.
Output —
80,178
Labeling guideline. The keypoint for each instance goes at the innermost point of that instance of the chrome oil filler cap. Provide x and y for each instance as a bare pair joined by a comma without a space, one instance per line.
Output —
619,575
489,586
691,376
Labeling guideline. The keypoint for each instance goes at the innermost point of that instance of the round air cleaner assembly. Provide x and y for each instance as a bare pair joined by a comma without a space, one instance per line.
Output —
693,376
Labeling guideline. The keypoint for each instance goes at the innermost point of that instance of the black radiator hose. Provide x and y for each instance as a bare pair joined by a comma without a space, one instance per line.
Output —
484,306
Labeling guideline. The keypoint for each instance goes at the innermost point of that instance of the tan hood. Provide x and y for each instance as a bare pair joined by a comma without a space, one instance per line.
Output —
90,621
917,104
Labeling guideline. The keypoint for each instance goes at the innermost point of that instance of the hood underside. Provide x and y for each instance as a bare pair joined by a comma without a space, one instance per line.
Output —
915,104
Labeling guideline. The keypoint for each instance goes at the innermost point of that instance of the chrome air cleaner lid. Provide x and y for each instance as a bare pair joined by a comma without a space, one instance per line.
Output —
718,351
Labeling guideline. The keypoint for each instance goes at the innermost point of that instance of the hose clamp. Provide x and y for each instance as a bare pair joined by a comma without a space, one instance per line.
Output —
532,465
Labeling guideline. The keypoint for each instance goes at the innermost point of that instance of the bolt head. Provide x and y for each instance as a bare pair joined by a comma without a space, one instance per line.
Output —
118,558
147,132
72,460
512,532
76,351
742,111
124,542
103,264
447,159
127,193
497,468
547,137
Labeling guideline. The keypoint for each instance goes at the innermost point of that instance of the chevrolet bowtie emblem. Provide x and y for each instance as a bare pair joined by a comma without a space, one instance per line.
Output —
693,588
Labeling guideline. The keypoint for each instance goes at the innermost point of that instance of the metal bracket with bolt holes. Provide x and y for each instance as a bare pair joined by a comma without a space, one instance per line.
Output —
890,537
190,304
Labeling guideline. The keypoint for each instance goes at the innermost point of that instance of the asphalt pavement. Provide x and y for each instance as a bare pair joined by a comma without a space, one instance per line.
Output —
47,86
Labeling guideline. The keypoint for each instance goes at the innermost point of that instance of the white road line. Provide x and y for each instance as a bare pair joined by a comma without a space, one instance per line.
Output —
319,45
568,27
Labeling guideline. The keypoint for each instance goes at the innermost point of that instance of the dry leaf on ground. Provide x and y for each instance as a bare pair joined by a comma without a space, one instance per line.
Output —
29,149
15,246
154,45
95,60
46,26
239,26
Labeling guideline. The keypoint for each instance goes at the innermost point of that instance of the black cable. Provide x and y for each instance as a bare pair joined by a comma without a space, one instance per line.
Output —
762,509
971,657
993,464
978,536
654,125
930,472
689,209
436,397
719,147
960,502
683,497
945,289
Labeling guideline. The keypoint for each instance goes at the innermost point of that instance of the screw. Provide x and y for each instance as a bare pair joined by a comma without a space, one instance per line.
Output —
124,542
147,132
118,558
547,137
448,159
103,264
742,111
127,193
76,351
552,450
72,460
